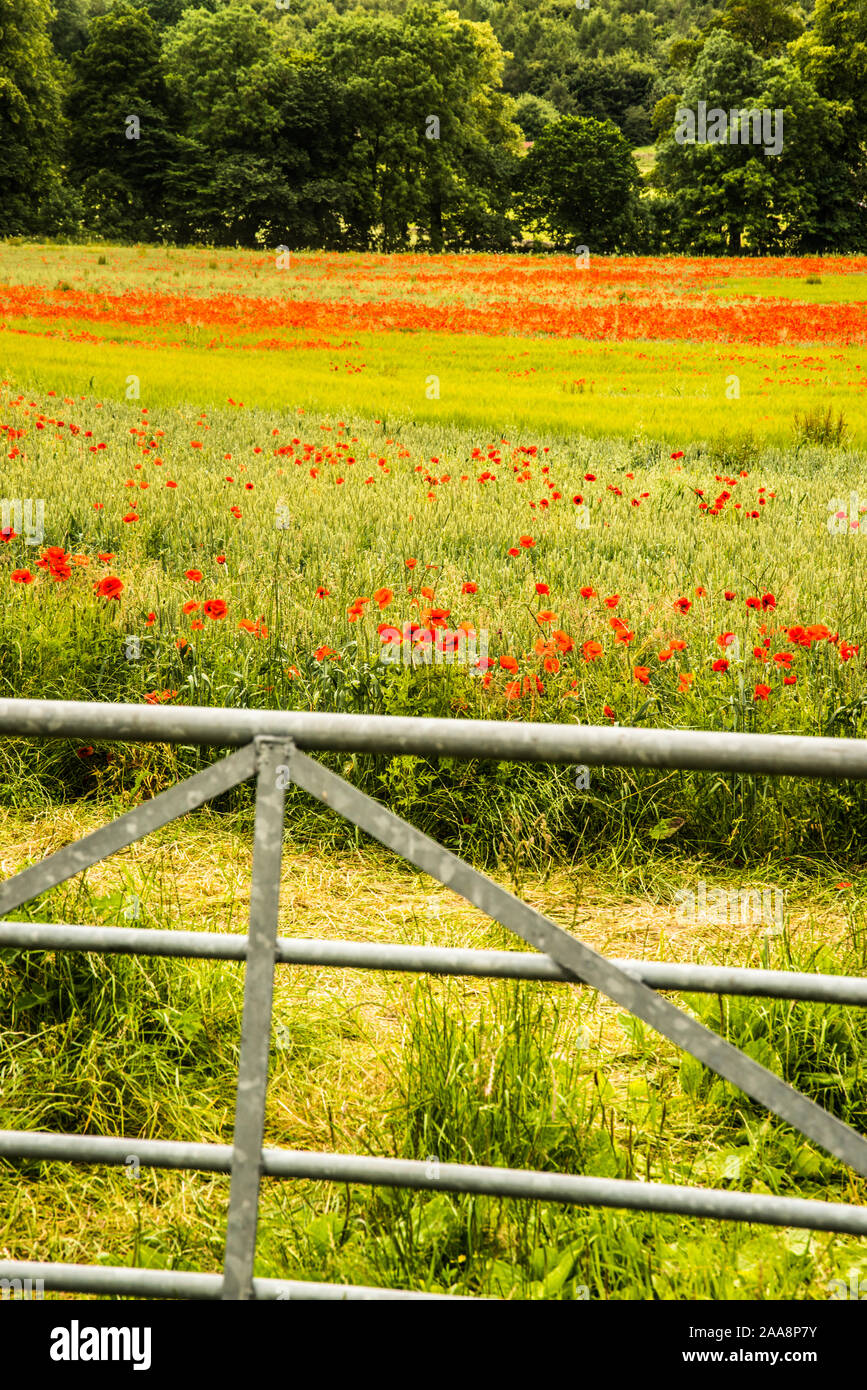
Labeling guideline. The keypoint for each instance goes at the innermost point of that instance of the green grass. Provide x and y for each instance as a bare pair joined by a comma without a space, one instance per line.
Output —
673,392
830,289
467,1071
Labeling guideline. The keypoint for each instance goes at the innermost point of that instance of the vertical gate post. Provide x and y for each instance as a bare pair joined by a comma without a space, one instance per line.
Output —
256,1026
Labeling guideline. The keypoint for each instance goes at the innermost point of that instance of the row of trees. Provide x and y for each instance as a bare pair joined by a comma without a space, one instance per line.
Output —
228,123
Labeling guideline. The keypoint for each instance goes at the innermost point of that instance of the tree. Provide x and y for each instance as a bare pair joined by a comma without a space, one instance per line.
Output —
267,152
118,139
30,116
832,54
432,126
581,182
767,26
612,86
69,28
533,113
731,196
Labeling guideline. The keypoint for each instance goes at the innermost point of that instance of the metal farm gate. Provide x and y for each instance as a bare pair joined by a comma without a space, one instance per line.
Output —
269,749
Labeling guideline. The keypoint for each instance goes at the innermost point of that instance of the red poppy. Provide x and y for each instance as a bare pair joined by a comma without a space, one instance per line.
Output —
541,589
526,541
641,674
613,601
721,665
587,592
608,711
729,595
762,692
382,598
682,605
21,577
215,608
194,576
592,651
109,587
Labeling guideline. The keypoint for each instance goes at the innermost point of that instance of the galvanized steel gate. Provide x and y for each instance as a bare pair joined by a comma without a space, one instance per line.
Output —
270,750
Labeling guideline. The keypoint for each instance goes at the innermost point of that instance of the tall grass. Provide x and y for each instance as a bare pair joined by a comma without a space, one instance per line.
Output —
61,640
499,1073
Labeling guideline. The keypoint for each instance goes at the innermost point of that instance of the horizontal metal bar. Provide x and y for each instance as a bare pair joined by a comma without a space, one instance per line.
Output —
430,960
775,754
159,810
705,1202
175,1283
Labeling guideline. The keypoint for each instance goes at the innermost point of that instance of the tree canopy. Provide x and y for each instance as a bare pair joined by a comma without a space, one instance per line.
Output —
475,124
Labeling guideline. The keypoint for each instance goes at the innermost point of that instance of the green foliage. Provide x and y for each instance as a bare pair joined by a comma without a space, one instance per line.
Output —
533,114
30,115
580,181
728,197
821,426
832,54
766,25
311,125
433,129
118,140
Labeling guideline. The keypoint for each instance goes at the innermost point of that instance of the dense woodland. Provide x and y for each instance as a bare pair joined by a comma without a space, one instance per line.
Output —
395,124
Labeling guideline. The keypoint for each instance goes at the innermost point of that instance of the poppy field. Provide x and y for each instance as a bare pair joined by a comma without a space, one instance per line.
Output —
452,486
668,347
237,553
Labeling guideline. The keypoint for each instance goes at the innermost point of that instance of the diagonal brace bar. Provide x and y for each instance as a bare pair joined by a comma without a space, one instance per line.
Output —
272,757
108,839
582,961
